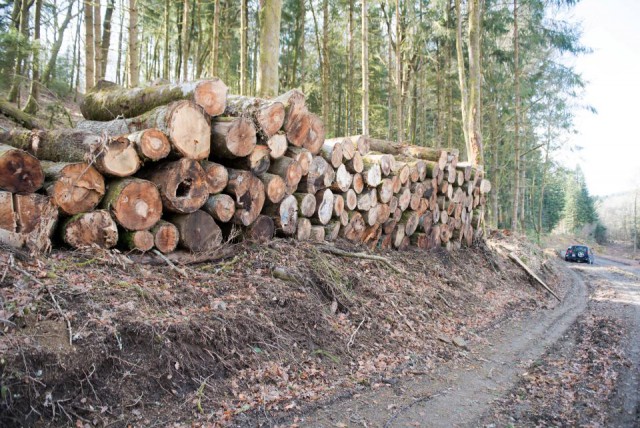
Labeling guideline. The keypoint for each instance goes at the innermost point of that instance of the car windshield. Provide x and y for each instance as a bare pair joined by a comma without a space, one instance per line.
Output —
579,248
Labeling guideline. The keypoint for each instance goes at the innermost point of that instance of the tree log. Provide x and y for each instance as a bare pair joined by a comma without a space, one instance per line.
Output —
303,230
151,144
411,220
89,229
385,190
354,230
315,137
221,207
141,240
385,161
338,205
306,204
257,162
18,116
289,170
398,235
294,105
268,116
355,164
27,221
217,176
134,203
362,143
20,172
278,146
187,127
262,230
8,219
302,156
285,215
404,199
183,185
331,230
107,101
275,187
350,199
165,236
317,234
358,183
249,195
315,179
324,206
198,231
343,180
332,153
232,137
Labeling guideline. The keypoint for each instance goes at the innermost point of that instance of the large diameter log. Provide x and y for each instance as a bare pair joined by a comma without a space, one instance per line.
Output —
249,196
94,228
370,216
317,234
20,172
338,205
183,185
289,170
198,231
332,153
268,116
165,236
294,105
27,221
302,156
151,144
401,170
107,101
257,162
316,177
324,206
411,221
306,204
141,240
262,230
232,137
303,230
285,215
217,176
221,207
277,145
187,127
275,187
134,203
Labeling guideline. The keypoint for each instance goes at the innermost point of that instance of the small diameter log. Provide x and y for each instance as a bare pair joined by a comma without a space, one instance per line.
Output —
198,231
338,205
389,226
411,220
344,218
73,187
277,145
302,156
370,216
384,213
257,162
134,203
342,181
466,169
91,228
404,198
384,243
371,235
366,201
324,206
294,104
331,230
362,143
350,199
306,204
401,170
20,172
385,161
432,169
485,186
347,147
262,230
385,190
303,230
358,183
317,234
329,177
315,138
393,203
332,153
354,230
297,130
285,215
7,213
249,195
151,144
141,240
217,176
107,101
427,153
221,207
268,116
355,164
165,236
398,235
314,181
420,240
183,185
232,137
275,187
185,124
289,170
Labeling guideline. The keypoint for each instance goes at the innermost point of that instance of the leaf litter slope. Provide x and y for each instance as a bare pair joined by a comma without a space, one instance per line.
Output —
232,344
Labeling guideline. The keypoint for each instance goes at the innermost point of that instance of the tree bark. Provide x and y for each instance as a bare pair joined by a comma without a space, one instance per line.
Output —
270,14
365,68
289,170
151,144
106,37
132,54
262,230
268,116
139,240
285,215
18,116
278,146
249,195
306,204
34,91
215,37
217,176
275,187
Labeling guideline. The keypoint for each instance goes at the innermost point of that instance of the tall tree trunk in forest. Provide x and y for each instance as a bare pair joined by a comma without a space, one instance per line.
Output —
270,14
166,54
185,40
256,47
474,109
57,44
462,76
97,41
89,63
215,39
298,50
399,112
449,83
543,179
350,66
365,68
390,73
14,92
133,59
178,59
119,81
326,86
244,46
32,103
516,124
106,36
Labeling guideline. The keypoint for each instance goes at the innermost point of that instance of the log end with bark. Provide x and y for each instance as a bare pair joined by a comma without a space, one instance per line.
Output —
20,172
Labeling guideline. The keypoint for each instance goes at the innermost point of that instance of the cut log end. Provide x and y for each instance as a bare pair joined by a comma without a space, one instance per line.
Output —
270,118
20,172
89,229
151,144
165,236
189,131
141,240
198,231
262,230
135,203
211,95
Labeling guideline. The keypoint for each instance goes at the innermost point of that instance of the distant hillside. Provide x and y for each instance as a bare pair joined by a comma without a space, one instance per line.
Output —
617,214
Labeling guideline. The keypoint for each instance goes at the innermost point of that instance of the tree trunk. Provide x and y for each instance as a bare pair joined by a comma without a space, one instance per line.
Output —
474,121
365,68
89,65
270,14
185,40
285,215
134,203
183,122
261,230
303,229
140,240
233,137
244,46
32,103
215,39
249,195
133,61
516,136
18,116
20,172
73,187
97,42
198,231
399,99
89,229
106,37
165,236
116,157
183,185
268,116
166,53
221,207
55,49
275,187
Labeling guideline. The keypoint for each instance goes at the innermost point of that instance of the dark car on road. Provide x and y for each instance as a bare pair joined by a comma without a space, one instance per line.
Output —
580,254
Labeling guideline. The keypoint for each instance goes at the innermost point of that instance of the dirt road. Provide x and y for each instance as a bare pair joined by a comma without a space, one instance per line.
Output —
508,375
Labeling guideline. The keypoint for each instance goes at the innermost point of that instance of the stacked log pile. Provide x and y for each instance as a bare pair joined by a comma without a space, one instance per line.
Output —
181,166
